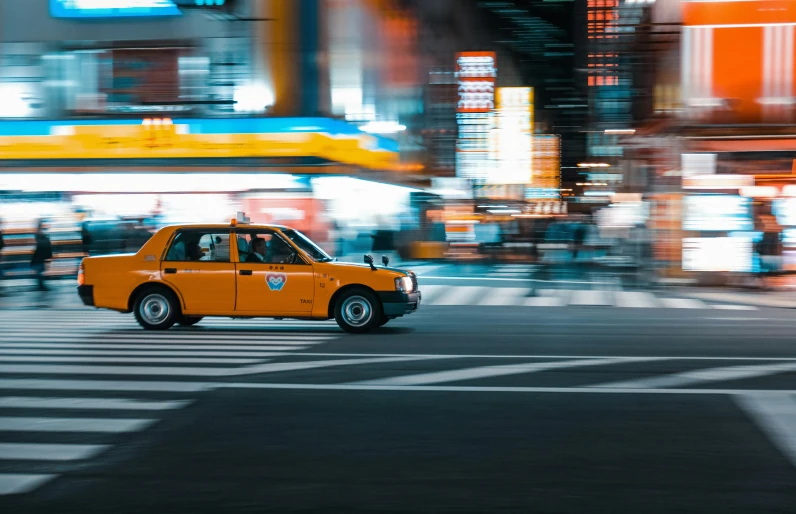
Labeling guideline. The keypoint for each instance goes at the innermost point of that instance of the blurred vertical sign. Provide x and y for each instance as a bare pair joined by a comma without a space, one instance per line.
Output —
476,73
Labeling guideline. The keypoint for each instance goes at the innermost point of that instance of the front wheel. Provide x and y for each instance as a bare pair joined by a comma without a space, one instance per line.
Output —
156,309
383,321
358,311
189,321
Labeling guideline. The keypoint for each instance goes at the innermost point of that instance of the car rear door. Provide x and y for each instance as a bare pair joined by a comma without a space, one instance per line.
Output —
198,265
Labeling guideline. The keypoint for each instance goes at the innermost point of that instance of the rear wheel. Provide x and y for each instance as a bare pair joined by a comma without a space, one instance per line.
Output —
189,321
156,309
358,311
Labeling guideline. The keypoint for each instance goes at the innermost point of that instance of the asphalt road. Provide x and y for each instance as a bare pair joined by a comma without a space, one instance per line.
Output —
458,408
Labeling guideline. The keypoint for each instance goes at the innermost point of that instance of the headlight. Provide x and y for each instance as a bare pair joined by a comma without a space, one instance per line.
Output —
403,284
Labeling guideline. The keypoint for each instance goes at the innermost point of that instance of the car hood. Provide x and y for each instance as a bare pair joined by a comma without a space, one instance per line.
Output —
399,271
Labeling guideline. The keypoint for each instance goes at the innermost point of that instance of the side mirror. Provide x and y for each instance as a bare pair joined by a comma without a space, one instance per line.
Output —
369,261
385,260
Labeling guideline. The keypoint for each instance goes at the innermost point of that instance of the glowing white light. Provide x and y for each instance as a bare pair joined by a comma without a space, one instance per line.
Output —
253,98
382,127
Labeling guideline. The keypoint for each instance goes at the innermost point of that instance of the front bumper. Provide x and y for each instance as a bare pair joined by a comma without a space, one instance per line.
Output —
86,293
397,303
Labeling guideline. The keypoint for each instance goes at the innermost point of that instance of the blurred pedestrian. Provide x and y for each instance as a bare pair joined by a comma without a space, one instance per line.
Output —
41,255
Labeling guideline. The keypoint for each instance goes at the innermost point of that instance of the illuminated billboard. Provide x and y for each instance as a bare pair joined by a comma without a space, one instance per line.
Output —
512,141
112,8
476,73
722,213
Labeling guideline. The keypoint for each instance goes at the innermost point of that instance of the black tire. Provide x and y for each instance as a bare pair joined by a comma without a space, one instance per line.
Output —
358,311
189,321
384,320
156,308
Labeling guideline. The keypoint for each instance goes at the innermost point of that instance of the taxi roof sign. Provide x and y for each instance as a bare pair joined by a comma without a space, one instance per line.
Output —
242,219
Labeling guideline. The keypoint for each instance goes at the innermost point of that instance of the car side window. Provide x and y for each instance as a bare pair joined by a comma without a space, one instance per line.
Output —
199,246
265,247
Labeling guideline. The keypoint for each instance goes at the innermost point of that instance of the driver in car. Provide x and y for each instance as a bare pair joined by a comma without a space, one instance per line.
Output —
258,250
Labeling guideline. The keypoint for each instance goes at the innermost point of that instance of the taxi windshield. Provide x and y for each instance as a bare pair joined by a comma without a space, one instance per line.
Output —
307,245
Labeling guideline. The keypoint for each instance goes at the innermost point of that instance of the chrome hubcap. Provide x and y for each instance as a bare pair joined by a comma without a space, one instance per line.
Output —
155,309
357,311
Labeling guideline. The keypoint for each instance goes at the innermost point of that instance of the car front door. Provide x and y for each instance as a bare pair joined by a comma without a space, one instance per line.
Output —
198,265
272,279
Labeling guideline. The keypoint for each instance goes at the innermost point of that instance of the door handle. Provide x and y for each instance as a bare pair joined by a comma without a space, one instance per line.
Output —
245,272
170,270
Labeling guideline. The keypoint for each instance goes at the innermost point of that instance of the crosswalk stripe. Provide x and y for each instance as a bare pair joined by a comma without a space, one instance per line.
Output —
701,376
62,369
431,292
51,452
138,360
590,297
101,385
294,366
98,425
727,307
26,402
464,295
206,339
15,483
457,375
775,414
635,299
136,353
505,296
683,303
143,346
543,301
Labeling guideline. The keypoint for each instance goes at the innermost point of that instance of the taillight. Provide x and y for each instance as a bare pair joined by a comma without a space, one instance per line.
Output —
81,277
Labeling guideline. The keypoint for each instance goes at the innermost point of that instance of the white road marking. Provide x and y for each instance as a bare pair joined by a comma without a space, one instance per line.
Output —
590,297
99,425
683,303
492,371
240,336
496,389
136,353
293,366
125,346
505,296
13,483
88,369
238,340
775,414
700,376
102,385
488,279
129,360
431,292
465,295
50,452
26,402
728,307
543,301
635,299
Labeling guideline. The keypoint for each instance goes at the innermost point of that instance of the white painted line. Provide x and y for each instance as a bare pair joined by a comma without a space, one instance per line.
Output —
124,346
701,376
635,299
12,483
26,402
62,369
456,375
431,292
51,452
543,301
465,295
775,414
504,296
682,303
101,385
137,353
130,360
241,339
590,297
99,425
293,366
486,389
488,279
726,307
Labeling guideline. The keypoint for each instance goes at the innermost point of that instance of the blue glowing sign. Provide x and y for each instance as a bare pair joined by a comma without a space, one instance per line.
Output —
112,8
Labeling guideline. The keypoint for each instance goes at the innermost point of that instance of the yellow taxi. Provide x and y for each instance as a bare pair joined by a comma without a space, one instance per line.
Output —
187,272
